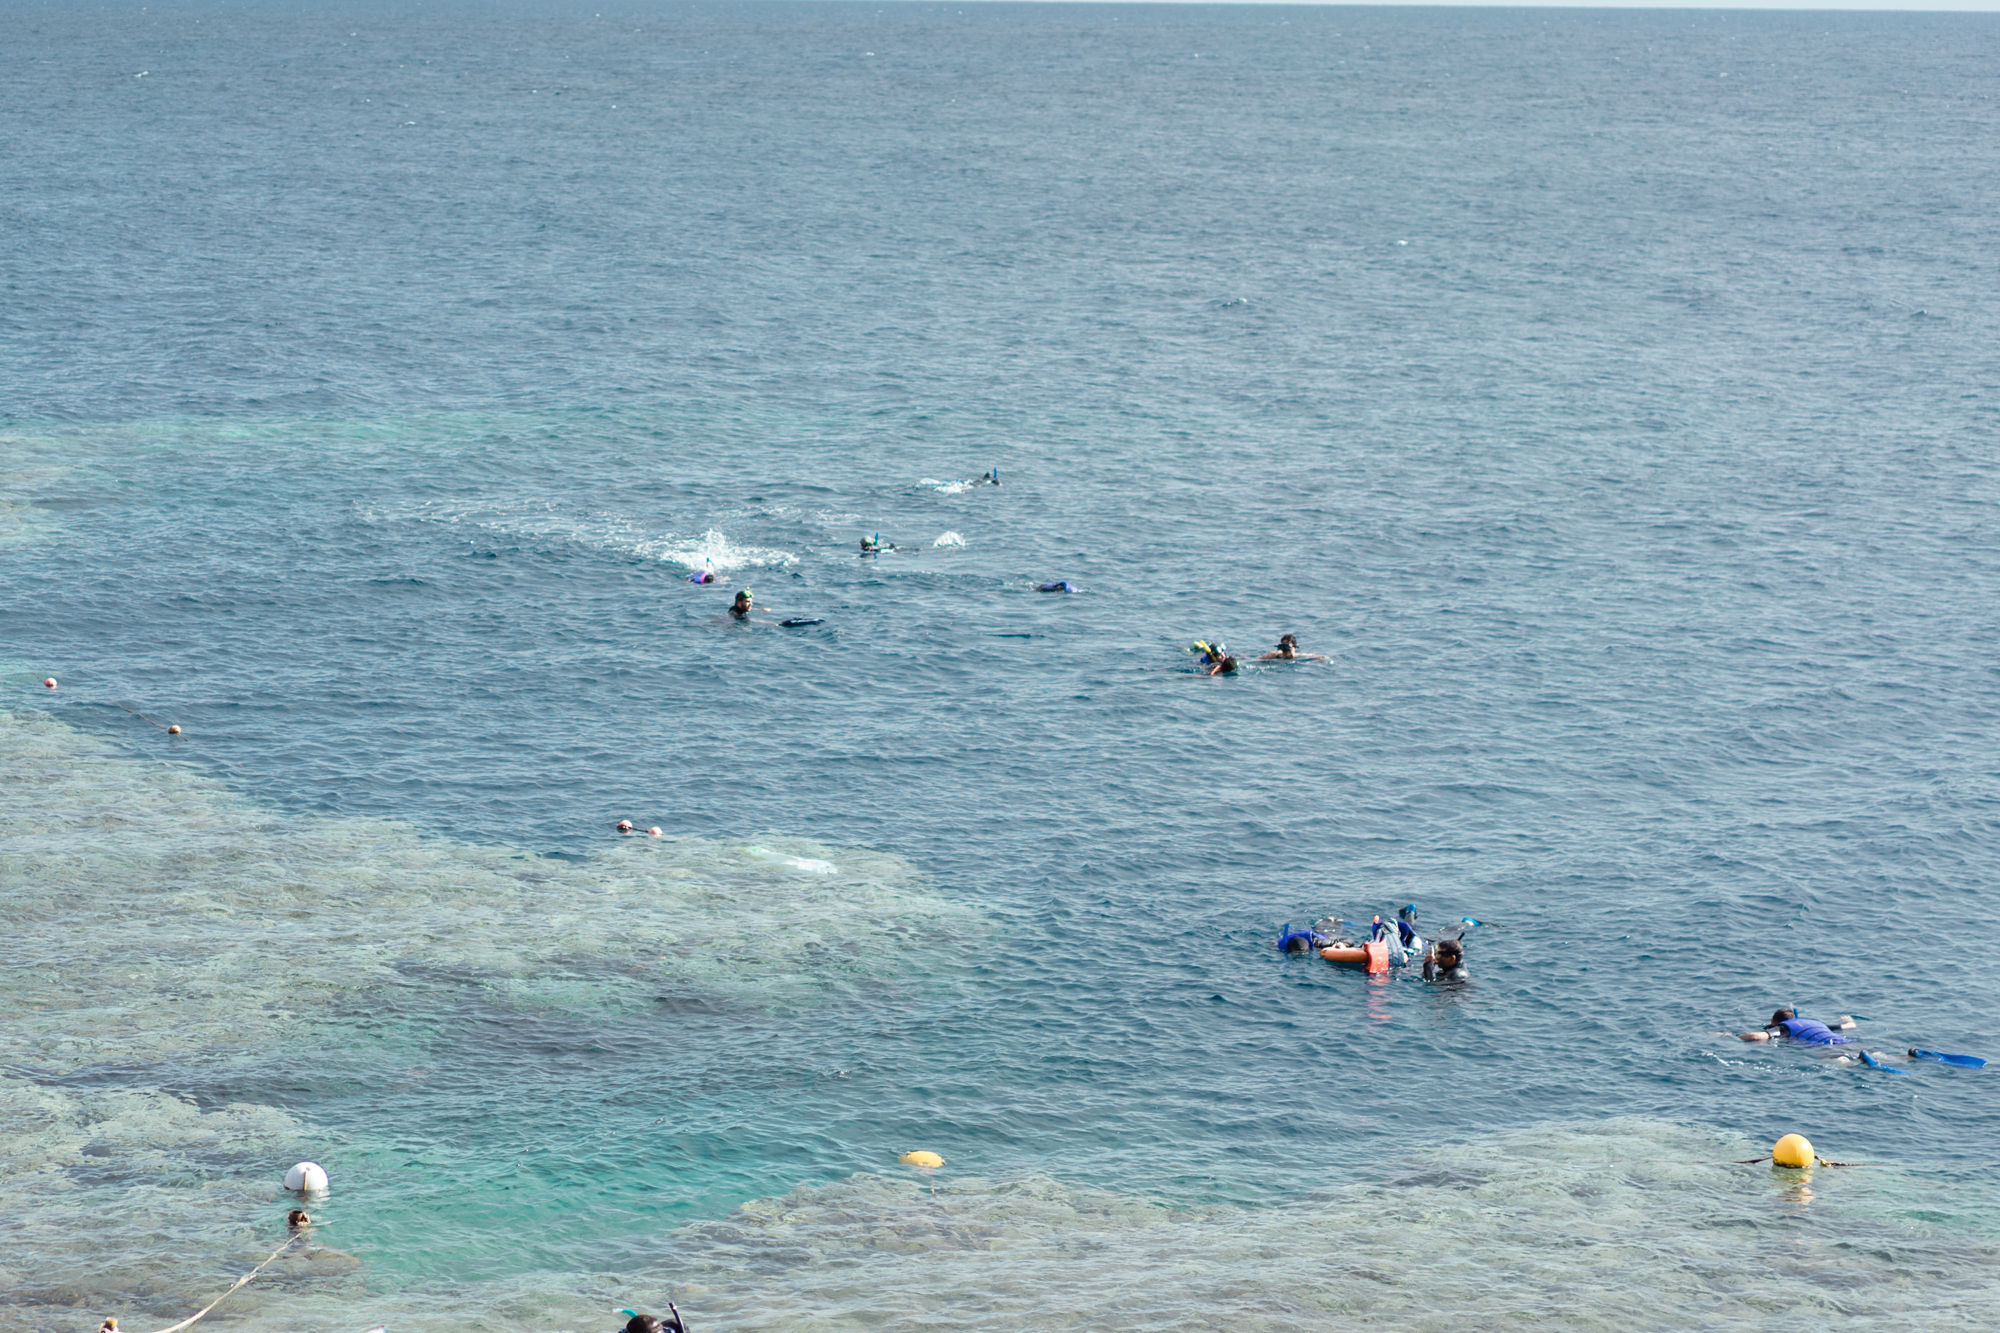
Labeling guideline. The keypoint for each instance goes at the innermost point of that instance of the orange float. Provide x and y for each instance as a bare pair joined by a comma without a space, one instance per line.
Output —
1374,955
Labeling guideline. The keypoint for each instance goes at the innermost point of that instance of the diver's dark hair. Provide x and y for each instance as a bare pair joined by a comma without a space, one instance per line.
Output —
1450,949
1783,1015
643,1323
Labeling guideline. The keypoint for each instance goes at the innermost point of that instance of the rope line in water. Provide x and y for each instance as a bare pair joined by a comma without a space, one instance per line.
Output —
136,713
184,739
238,1283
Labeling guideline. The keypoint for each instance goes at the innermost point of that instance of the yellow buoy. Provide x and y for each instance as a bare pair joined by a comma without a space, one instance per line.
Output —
921,1159
1792,1150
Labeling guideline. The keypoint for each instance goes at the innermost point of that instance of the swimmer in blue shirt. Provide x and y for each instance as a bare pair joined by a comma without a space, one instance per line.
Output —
1787,1026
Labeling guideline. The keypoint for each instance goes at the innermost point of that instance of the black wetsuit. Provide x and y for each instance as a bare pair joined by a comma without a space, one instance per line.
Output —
1434,972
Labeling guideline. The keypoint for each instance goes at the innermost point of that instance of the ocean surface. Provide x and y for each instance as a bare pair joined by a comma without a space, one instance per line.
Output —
1610,397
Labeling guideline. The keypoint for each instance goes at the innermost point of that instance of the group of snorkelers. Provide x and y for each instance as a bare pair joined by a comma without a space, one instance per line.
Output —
1221,662
1401,944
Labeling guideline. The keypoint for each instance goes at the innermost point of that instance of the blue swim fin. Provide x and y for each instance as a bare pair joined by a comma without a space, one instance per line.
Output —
1962,1061
1873,1063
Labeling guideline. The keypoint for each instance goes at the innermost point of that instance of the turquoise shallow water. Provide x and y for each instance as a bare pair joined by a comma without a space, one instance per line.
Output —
1621,431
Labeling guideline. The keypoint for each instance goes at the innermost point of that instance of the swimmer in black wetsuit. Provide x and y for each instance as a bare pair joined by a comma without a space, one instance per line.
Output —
645,1323
1445,961
1288,651
740,608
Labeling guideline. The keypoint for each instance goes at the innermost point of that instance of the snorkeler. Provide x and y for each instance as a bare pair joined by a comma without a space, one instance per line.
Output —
1226,667
992,478
1445,961
298,1220
646,1323
1787,1026
1060,585
1209,653
875,545
1288,651
702,576
740,608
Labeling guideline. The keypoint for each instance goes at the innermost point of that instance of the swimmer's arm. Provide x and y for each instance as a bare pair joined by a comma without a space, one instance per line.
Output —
1754,1036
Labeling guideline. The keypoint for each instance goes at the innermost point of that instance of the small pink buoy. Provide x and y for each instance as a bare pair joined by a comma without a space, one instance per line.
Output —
654,832
174,730
624,826
50,683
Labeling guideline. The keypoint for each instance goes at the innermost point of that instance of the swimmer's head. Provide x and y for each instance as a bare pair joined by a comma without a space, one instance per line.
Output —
1782,1016
1450,953
1292,639
743,598
643,1323
1228,666
297,1218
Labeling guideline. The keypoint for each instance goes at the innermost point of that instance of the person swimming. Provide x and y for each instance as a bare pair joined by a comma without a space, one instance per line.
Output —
1445,961
1788,1026
1208,654
992,478
1288,651
702,576
298,1220
875,545
1226,667
740,608
646,1323
1061,585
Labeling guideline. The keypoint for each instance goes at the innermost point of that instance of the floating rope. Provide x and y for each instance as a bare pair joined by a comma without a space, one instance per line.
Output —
239,1281
136,713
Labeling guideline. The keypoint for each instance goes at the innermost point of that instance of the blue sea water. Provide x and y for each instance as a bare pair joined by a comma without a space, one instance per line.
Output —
1609,396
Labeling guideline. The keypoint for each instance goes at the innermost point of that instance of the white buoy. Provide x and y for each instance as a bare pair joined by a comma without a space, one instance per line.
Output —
306,1178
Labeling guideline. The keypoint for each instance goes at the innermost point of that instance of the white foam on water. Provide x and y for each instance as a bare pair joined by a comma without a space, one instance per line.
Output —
949,539
712,550
531,521
946,487
809,864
